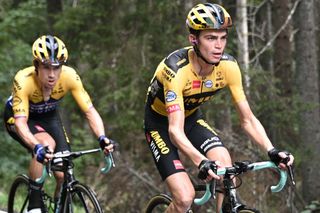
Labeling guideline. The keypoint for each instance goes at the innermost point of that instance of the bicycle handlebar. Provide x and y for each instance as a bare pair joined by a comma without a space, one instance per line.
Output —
253,167
108,160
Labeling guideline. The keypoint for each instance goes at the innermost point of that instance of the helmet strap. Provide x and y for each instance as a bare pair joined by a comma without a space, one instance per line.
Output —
196,49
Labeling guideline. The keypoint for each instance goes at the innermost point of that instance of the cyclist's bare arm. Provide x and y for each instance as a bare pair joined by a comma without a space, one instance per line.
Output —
178,137
95,121
254,128
96,124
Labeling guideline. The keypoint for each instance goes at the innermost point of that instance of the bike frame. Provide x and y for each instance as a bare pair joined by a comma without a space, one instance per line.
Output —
69,178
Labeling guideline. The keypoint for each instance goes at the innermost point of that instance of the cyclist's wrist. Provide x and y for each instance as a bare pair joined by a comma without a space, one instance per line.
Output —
101,138
40,152
270,148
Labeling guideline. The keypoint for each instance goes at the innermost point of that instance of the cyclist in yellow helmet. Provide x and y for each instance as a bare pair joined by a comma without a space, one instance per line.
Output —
31,113
183,81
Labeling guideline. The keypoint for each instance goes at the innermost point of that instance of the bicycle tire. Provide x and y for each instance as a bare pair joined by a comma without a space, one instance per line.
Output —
158,203
18,199
81,199
227,209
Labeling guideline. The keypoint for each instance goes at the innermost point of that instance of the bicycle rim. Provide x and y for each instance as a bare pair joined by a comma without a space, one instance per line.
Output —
18,199
81,200
158,204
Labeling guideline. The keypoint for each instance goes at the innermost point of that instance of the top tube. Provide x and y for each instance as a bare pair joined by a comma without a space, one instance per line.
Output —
253,166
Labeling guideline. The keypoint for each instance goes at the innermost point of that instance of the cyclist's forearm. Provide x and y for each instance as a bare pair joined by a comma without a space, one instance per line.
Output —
95,122
257,133
184,145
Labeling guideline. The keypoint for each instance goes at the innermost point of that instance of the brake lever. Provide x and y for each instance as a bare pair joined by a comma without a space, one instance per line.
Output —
112,161
213,185
291,175
290,170
48,168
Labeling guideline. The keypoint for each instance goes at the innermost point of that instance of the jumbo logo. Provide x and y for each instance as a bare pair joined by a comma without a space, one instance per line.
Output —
159,142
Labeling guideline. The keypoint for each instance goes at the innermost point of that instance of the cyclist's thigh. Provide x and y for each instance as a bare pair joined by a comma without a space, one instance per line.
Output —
10,127
202,136
51,124
164,153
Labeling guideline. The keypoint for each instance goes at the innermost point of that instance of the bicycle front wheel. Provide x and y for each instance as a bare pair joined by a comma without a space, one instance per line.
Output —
18,199
81,200
158,203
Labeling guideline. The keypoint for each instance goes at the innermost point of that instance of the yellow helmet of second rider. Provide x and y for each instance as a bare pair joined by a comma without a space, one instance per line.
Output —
51,50
208,16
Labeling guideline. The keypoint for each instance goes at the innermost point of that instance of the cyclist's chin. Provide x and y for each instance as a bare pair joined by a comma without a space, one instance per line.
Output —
50,84
215,59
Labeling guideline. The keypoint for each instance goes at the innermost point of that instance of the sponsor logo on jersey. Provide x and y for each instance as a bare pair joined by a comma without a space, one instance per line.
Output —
196,84
171,96
177,164
208,84
39,128
16,101
157,145
173,108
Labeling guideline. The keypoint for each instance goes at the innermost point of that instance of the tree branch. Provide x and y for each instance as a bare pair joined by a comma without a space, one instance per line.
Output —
277,33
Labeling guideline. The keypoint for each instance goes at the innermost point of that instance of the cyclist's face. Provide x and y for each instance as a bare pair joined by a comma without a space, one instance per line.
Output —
212,43
48,75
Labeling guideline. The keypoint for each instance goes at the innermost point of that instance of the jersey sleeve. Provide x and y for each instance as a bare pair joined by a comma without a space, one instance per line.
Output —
234,81
173,89
77,90
20,96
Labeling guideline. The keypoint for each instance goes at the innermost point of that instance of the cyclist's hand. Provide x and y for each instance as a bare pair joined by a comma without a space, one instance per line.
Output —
281,158
43,153
208,169
106,144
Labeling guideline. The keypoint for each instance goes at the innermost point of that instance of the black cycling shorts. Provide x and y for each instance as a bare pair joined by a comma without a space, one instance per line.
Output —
164,153
47,122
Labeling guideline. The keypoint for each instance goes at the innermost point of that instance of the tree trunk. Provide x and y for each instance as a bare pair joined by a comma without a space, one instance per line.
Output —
308,89
243,49
282,47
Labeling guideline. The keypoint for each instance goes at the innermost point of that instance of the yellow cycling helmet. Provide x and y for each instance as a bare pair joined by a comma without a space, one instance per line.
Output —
50,50
208,16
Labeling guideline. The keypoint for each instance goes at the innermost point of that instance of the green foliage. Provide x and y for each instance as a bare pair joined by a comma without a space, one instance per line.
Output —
23,22
314,206
116,46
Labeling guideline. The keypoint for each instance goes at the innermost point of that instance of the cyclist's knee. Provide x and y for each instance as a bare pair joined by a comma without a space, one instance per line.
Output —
45,139
182,201
220,154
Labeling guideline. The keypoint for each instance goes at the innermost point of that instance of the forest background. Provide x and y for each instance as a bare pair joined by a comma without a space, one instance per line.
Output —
115,45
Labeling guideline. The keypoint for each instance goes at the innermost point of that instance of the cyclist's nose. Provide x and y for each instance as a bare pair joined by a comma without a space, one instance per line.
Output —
218,44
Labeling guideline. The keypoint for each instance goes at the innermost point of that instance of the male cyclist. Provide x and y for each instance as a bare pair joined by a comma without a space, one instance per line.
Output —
183,81
31,114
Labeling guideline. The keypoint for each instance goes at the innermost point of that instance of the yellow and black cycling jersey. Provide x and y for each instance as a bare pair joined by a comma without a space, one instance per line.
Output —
177,86
27,95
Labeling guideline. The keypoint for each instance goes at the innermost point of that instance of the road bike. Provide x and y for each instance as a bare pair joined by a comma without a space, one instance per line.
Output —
75,197
160,202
